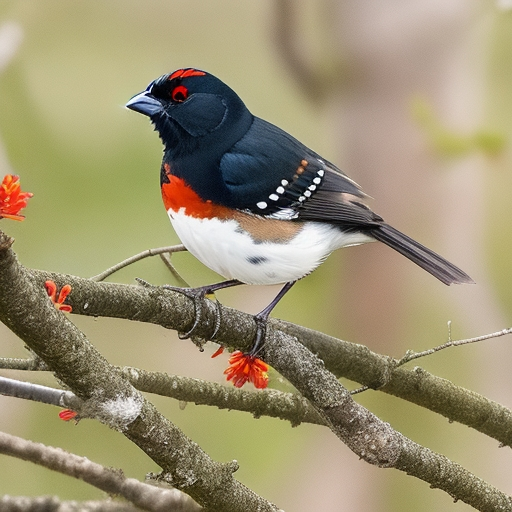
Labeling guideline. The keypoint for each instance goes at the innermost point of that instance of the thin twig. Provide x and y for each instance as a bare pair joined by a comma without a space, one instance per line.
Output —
411,355
166,258
55,504
137,257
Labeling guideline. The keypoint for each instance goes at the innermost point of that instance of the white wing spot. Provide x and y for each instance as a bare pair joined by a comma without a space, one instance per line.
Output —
273,197
261,205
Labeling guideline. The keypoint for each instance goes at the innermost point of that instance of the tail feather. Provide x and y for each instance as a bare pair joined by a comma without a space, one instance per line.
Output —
421,255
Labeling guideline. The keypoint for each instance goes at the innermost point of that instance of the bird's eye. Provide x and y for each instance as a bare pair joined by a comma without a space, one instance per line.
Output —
179,94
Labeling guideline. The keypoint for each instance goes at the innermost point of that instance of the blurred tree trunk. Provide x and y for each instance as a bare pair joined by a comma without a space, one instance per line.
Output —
395,51
377,59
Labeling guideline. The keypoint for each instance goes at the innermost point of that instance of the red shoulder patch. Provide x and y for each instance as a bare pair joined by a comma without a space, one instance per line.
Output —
177,194
184,73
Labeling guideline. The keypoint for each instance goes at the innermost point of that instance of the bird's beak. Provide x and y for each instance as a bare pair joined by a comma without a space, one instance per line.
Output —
145,103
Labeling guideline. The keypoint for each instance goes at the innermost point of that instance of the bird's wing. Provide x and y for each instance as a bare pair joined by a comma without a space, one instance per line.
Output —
338,200
269,172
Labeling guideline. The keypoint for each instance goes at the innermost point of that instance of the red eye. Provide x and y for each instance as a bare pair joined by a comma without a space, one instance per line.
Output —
179,94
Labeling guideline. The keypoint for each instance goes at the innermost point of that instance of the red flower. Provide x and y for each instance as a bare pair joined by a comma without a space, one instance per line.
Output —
67,414
12,199
244,367
51,288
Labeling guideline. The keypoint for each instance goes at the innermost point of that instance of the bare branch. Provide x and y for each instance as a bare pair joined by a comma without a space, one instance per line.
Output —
38,393
167,260
137,257
54,504
273,403
359,364
353,361
32,364
290,44
410,355
109,480
370,438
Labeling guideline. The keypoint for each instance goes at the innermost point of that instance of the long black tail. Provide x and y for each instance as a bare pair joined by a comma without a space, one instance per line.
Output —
419,254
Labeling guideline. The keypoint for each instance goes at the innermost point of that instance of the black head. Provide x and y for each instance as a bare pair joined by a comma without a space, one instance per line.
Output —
192,109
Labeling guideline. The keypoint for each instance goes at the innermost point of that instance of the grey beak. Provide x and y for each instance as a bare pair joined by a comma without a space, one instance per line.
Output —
145,103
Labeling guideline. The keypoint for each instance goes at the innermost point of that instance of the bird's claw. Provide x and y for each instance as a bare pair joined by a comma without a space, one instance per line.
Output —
197,295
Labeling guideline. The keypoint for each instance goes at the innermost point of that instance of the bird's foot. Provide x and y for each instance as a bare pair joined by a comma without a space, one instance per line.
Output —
198,296
258,345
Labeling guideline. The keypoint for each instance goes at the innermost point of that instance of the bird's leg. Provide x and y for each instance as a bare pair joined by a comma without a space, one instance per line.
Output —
261,320
198,295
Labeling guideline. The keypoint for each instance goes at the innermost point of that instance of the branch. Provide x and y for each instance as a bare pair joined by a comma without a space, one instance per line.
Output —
369,437
123,408
109,480
13,363
359,364
38,393
107,395
54,504
275,404
316,77
411,355
356,362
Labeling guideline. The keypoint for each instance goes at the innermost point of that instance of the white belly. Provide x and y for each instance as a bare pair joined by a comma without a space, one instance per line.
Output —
231,252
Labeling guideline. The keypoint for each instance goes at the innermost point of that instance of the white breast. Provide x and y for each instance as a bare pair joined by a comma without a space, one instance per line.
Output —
226,248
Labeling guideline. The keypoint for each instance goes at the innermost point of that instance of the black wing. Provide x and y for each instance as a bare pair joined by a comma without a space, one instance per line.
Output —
268,171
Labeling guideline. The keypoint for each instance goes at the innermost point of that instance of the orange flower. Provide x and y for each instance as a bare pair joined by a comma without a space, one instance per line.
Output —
12,199
51,288
244,367
67,414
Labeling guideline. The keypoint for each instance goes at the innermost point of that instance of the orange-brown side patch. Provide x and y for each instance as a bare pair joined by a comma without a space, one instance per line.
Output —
267,230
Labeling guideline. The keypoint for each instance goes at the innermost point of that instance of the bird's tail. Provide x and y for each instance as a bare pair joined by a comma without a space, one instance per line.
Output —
421,255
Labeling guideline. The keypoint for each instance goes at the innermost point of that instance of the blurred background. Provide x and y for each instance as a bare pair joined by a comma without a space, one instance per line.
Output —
412,99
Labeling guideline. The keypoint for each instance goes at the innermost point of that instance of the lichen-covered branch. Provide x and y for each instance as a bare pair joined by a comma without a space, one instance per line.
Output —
108,396
358,363
350,360
372,439
113,400
269,402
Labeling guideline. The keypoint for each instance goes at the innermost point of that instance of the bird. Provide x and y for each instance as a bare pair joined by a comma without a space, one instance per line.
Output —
250,201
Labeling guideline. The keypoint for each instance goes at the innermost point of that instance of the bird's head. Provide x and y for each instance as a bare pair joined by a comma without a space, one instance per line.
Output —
190,107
